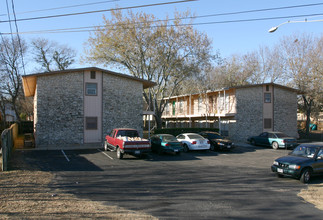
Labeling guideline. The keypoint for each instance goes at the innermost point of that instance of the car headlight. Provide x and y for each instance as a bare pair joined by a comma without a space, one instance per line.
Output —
276,163
219,143
294,167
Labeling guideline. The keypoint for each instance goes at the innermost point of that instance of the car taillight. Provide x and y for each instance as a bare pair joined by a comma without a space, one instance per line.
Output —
193,142
167,145
208,142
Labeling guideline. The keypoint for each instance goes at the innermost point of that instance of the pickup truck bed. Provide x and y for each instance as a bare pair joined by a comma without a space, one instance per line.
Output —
126,141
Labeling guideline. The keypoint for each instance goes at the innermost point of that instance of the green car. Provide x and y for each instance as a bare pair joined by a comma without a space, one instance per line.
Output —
274,139
165,143
305,160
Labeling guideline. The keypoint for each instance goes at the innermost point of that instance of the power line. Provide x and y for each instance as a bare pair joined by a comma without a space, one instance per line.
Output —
64,7
79,29
99,11
262,10
19,41
92,28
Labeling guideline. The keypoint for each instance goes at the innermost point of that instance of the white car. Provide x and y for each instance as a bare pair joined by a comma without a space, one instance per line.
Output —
192,141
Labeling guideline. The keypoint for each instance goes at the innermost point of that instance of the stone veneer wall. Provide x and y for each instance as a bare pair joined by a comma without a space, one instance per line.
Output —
249,116
285,111
122,103
59,109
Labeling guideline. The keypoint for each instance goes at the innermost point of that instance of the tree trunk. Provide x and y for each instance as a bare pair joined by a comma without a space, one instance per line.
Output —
308,108
159,121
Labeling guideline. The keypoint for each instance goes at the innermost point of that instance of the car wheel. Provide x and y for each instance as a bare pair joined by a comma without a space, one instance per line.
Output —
142,156
275,145
185,148
306,175
279,175
119,153
212,147
105,146
253,142
160,151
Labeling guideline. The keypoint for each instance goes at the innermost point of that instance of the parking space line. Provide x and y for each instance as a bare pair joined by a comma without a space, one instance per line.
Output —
68,160
105,154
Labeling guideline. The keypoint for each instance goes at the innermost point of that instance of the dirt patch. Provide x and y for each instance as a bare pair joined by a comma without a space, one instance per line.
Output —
26,195
313,194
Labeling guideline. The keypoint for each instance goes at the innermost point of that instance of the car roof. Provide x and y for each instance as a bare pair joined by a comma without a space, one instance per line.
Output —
166,135
189,134
313,144
210,132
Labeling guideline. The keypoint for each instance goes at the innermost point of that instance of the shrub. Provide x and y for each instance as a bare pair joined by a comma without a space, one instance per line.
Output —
177,131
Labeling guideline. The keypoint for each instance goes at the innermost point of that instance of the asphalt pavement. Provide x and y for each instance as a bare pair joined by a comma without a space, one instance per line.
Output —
193,185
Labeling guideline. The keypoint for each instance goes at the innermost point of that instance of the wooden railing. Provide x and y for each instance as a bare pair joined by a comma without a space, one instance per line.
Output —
7,144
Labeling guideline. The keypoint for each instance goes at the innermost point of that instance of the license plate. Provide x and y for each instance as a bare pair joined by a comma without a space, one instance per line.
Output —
175,150
137,152
229,146
280,170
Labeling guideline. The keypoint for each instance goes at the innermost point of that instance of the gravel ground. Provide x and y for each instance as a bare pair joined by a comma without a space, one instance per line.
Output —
313,194
25,194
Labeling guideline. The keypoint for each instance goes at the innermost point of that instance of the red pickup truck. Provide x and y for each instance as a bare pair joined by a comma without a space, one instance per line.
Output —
126,141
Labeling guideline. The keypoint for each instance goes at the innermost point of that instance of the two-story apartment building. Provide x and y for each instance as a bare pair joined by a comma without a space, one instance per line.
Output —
80,106
238,112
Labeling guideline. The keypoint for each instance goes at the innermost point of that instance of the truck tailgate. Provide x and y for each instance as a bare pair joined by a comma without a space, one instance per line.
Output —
136,144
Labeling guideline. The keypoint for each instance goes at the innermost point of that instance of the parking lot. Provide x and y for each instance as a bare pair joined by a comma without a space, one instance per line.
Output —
193,185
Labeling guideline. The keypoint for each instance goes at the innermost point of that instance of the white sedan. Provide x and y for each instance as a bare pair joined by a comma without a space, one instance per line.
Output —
192,141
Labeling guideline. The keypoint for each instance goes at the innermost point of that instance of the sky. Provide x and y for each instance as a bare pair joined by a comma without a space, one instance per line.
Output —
234,26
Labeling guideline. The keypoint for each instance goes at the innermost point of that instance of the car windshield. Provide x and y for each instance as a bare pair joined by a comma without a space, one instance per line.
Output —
169,138
304,151
194,136
214,136
281,135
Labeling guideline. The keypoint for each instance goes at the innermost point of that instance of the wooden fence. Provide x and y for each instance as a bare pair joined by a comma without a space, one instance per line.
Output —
7,144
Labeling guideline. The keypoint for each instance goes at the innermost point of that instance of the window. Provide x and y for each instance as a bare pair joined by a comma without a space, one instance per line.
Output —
180,136
267,123
91,89
264,134
210,104
199,104
167,108
181,106
271,135
91,123
267,97
267,88
92,74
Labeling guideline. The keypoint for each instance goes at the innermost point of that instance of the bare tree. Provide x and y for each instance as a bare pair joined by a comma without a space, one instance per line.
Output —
52,56
11,52
301,55
160,51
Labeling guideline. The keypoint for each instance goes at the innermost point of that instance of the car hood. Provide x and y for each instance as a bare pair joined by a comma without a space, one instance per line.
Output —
293,159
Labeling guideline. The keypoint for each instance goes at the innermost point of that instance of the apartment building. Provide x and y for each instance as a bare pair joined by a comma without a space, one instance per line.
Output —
80,106
238,112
